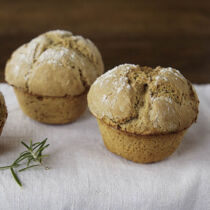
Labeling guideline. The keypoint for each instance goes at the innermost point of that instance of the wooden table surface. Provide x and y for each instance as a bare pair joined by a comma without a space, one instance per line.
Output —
167,33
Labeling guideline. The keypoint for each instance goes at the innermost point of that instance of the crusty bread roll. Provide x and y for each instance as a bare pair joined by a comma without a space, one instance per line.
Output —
52,74
3,112
142,112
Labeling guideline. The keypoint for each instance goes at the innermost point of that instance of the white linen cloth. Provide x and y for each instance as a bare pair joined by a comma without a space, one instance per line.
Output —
83,174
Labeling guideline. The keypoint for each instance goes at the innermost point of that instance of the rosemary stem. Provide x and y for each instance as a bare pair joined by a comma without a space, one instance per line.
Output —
33,154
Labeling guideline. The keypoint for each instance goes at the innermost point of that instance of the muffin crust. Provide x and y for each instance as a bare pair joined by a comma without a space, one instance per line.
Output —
52,74
3,112
142,100
56,63
140,148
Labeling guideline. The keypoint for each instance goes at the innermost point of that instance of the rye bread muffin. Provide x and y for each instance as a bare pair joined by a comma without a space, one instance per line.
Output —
143,112
3,112
51,75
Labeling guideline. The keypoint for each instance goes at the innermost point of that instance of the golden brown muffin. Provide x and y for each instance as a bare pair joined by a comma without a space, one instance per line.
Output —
142,112
3,112
52,74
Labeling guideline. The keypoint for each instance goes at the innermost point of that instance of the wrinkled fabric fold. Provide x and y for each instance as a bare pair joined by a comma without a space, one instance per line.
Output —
83,174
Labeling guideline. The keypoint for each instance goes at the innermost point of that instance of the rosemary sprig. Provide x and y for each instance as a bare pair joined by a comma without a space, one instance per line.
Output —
32,155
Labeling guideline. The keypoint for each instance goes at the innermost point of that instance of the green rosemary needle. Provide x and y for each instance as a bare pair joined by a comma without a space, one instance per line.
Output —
31,157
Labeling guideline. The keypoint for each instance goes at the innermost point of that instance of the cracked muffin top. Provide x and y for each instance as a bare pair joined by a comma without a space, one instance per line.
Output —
143,100
56,63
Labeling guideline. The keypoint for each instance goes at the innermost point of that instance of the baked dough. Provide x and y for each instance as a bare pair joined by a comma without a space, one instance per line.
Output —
140,102
55,64
3,112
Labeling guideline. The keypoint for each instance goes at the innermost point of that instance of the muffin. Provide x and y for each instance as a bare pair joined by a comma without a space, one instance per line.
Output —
3,112
51,75
143,113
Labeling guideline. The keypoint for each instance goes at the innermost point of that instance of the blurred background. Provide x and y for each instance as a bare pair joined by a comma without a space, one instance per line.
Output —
167,33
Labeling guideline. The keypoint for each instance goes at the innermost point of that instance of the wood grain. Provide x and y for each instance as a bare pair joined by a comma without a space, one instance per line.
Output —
166,33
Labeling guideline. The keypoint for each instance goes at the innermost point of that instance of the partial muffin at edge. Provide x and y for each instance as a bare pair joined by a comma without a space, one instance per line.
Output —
3,112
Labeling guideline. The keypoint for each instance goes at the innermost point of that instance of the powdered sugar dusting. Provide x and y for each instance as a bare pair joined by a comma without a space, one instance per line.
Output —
22,58
53,55
167,99
26,53
111,74
113,82
163,75
172,71
159,78
121,84
18,61
128,87
158,117
60,32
